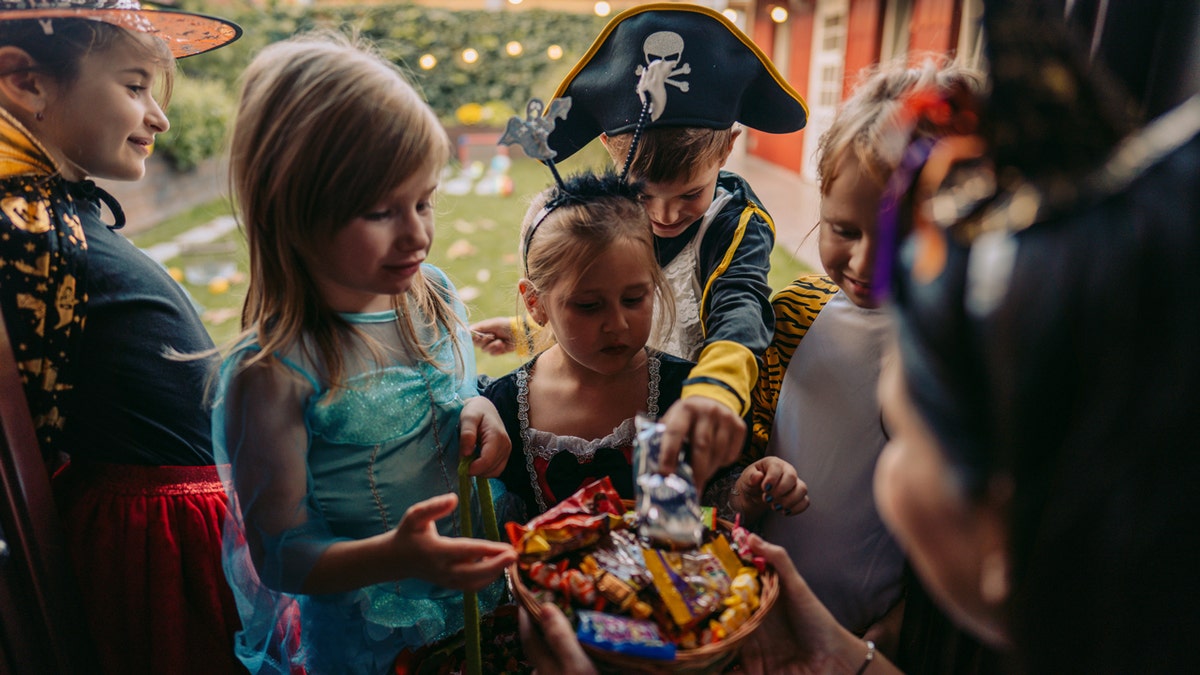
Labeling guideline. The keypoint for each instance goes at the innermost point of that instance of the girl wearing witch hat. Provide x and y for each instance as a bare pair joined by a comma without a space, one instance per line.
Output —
92,320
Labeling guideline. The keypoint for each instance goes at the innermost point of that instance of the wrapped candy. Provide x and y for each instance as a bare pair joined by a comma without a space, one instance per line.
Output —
686,604
590,561
741,602
577,522
621,555
719,548
668,507
623,635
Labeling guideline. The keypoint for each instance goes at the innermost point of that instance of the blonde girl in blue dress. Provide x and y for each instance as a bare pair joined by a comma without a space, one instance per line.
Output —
345,408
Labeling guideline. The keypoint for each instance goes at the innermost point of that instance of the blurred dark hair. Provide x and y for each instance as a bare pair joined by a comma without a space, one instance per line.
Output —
1081,385
1064,357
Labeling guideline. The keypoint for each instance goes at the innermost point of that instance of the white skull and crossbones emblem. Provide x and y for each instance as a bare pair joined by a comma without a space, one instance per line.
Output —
663,52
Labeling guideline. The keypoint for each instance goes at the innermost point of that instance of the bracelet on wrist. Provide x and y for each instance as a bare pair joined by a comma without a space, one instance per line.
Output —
868,659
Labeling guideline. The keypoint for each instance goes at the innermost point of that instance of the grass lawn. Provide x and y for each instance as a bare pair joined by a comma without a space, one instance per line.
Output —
475,244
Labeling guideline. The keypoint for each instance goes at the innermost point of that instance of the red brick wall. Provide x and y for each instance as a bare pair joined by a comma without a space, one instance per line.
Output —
785,150
864,34
934,25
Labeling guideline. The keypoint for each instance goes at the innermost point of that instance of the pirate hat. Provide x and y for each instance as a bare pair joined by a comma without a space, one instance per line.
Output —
670,64
186,33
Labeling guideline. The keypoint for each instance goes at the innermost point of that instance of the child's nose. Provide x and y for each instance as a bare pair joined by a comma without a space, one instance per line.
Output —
862,258
413,234
156,118
616,321
661,211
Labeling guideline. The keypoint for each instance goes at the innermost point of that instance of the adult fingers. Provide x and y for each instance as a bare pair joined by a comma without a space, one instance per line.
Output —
561,638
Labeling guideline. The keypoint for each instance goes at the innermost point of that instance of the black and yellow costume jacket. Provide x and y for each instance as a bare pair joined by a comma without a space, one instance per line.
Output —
735,307
43,270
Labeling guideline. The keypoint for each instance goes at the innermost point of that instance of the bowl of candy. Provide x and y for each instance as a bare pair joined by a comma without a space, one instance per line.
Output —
650,584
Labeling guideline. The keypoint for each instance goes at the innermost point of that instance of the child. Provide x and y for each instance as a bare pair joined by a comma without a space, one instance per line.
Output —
346,407
141,500
576,239
663,87
831,431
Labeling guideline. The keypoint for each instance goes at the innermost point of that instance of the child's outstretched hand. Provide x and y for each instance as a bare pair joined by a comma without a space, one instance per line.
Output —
493,336
480,426
714,433
452,562
769,483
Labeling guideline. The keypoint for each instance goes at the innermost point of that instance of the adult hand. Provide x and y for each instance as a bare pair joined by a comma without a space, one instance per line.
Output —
480,425
551,646
800,636
714,433
493,336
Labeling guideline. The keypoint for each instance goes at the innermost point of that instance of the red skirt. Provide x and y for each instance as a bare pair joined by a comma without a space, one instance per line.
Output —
146,544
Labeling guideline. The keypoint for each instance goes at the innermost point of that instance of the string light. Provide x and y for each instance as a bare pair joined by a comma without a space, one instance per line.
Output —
602,8
779,14
731,14
469,55
514,48
554,52
427,61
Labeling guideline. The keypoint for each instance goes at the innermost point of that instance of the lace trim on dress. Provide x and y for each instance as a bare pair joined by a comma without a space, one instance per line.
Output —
545,445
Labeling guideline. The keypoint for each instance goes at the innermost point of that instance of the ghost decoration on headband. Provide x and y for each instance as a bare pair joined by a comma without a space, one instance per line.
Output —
532,132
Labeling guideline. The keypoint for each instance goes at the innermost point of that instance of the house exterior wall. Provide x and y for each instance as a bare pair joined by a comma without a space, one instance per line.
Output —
934,26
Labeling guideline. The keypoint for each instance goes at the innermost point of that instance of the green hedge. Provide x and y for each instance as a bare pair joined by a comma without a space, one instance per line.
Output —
202,105
199,112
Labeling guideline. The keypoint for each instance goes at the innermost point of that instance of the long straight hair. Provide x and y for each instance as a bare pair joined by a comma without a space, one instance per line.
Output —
325,129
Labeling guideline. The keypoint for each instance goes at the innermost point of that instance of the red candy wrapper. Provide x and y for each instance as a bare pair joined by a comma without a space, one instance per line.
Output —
577,522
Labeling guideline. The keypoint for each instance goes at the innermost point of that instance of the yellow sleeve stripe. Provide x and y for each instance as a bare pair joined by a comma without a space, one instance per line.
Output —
750,211
730,364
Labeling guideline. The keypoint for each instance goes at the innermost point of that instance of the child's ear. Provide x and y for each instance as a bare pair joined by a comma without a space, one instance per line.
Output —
529,296
22,87
733,136
612,152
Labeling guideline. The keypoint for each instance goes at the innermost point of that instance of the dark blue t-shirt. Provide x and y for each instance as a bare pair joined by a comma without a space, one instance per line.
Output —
135,404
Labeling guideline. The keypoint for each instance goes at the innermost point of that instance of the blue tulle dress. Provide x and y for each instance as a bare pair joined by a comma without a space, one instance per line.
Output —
385,442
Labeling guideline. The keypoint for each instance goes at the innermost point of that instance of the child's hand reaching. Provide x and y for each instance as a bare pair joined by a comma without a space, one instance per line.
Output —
493,336
714,433
480,425
769,483
414,549
453,562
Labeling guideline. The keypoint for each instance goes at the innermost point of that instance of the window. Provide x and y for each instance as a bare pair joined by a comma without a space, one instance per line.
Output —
826,79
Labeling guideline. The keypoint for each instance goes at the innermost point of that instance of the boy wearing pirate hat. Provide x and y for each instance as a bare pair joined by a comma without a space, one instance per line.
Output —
663,87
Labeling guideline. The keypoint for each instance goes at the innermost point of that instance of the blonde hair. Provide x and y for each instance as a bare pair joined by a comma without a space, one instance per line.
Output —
584,218
325,129
863,123
666,154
